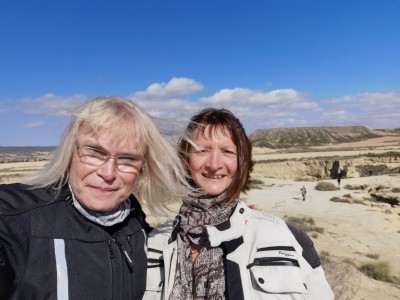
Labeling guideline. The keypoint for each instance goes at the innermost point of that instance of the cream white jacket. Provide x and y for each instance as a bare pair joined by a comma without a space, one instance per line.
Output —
265,259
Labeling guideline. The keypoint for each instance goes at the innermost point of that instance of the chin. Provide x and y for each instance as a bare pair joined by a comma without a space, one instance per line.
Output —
101,208
214,192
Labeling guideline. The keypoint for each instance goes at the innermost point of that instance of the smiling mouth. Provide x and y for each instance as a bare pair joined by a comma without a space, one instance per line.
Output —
213,176
106,190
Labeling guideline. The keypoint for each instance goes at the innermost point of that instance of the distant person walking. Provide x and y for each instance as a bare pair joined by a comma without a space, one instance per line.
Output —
339,178
303,193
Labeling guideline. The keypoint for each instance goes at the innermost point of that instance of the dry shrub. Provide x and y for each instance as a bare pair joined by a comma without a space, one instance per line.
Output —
306,224
341,200
379,271
355,187
372,255
326,186
256,184
324,257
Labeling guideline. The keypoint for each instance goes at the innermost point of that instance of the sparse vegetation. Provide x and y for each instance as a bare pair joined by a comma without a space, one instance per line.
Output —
306,224
347,198
355,187
379,271
357,201
373,256
326,186
324,257
341,200
256,184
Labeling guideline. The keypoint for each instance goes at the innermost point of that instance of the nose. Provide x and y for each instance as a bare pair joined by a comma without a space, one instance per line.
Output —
214,160
108,171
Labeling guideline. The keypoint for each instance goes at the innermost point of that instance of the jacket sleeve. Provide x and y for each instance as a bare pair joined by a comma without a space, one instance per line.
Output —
14,249
317,285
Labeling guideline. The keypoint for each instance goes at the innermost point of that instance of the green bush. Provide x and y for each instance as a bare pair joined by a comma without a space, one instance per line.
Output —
326,186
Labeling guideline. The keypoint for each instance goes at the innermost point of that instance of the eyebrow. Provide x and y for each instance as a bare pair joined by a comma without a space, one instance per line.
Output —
95,145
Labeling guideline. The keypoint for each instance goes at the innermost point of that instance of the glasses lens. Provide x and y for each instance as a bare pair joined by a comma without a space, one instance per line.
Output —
96,158
92,156
128,164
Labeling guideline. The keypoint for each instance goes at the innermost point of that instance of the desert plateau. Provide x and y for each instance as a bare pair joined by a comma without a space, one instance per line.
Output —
354,223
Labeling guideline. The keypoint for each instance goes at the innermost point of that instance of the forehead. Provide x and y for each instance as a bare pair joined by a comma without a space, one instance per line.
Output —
212,133
105,139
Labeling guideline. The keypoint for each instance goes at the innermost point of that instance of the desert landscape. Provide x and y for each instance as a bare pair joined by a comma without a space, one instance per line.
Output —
355,226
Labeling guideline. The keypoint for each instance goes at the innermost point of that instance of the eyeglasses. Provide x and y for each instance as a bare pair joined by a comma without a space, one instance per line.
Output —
96,158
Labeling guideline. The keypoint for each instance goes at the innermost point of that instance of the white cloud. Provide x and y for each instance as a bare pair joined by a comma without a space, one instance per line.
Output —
35,124
254,97
369,101
51,104
174,88
376,110
267,109
256,109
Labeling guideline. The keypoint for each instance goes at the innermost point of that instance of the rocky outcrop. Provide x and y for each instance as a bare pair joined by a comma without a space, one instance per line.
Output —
390,199
303,137
326,169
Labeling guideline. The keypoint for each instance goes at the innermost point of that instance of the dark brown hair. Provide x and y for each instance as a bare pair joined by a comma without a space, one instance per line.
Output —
224,120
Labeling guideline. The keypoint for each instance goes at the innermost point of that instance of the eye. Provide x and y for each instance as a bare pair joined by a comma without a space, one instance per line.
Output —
128,160
200,151
229,152
94,152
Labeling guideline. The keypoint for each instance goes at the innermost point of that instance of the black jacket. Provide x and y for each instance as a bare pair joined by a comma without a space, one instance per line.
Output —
48,250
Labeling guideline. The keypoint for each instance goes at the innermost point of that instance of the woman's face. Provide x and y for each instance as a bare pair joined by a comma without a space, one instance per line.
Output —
214,163
103,188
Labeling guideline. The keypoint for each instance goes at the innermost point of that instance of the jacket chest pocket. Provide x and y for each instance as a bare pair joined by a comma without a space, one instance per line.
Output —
275,269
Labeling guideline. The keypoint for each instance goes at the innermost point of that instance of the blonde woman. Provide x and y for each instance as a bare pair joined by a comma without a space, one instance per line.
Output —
75,230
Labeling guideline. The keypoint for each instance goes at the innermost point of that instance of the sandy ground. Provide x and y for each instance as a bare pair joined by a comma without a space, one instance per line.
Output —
351,232
17,171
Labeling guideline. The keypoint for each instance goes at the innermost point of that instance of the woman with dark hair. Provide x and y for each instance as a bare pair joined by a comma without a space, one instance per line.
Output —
218,248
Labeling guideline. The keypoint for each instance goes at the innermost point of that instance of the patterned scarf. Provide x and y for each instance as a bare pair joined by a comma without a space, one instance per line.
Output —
205,277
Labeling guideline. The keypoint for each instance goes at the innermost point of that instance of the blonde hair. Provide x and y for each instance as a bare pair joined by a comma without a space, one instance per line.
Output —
162,175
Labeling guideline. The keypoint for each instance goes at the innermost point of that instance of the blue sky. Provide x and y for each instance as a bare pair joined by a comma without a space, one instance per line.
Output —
274,63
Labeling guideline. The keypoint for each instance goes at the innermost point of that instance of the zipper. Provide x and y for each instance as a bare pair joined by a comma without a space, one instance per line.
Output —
283,248
110,249
125,253
274,261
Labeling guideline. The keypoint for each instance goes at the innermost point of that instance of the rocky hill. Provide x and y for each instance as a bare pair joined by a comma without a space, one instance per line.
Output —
304,137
